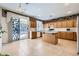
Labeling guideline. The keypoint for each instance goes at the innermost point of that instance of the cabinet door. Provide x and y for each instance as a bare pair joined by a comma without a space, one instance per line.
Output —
59,34
70,23
45,25
74,21
63,35
54,24
33,23
75,36
58,24
70,35
63,24
34,35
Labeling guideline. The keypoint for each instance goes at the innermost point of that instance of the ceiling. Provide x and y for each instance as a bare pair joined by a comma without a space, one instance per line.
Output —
44,11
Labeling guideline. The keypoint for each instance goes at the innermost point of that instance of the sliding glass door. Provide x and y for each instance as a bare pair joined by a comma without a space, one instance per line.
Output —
24,28
18,28
14,29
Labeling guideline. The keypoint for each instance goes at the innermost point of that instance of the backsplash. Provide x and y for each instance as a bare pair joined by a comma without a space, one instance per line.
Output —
61,29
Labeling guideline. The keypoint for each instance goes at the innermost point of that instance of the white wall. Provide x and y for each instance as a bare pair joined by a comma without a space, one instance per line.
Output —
0,34
4,27
77,34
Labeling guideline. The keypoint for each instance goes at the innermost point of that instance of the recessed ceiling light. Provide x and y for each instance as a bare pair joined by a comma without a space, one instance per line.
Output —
69,12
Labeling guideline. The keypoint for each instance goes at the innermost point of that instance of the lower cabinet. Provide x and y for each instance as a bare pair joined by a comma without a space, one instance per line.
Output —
33,35
59,35
70,35
67,35
63,35
75,36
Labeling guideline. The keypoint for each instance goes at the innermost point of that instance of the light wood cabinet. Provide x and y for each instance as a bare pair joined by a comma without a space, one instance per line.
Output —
54,24
63,24
34,35
50,38
74,23
58,24
32,23
70,35
75,36
63,35
70,23
59,34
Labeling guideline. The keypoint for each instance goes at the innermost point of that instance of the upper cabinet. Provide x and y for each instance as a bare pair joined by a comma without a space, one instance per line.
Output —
62,23
75,21
32,22
58,24
70,23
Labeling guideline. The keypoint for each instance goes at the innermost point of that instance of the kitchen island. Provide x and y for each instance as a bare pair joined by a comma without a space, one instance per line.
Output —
50,37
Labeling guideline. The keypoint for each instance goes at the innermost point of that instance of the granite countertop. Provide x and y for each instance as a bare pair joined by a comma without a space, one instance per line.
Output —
56,30
50,31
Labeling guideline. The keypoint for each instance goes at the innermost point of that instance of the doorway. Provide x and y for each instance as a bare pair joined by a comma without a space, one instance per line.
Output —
18,29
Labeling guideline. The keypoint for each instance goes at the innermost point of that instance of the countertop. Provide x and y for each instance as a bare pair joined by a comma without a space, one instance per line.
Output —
56,30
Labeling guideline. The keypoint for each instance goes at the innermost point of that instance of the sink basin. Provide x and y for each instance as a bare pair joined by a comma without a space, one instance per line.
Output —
68,29
51,29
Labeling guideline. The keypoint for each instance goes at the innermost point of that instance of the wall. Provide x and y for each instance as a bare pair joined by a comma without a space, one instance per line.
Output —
78,34
4,28
0,34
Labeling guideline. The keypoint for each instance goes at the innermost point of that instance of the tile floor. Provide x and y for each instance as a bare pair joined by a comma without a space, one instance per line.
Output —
37,47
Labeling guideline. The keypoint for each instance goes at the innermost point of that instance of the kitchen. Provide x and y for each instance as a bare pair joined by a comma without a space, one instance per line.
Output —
57,33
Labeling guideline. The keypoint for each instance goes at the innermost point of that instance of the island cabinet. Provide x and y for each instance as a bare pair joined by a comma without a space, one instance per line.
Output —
63,35
59,34
50,38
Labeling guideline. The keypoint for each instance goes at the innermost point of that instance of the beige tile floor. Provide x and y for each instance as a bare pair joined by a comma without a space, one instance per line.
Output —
37,47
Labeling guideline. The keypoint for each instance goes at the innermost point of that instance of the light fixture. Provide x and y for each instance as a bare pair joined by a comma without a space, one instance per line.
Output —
19,8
